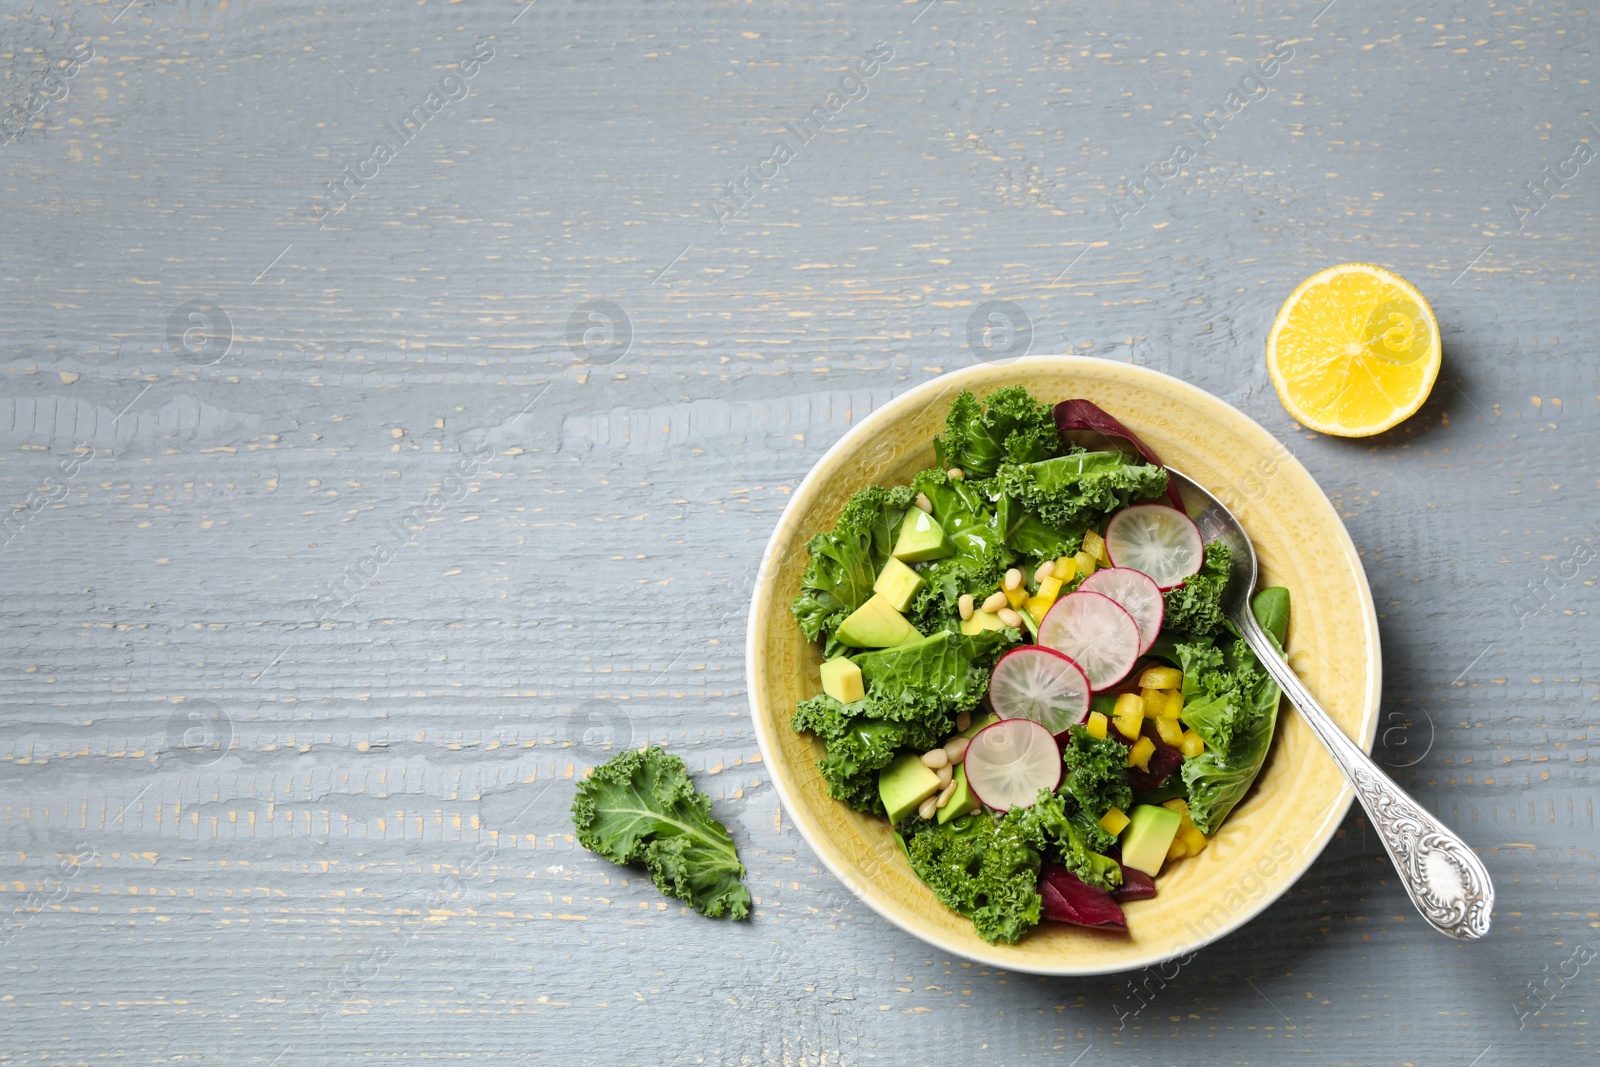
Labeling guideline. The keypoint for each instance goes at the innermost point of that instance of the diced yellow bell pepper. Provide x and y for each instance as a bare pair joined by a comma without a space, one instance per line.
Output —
1095,545
1096,725
1037,606
1161,678
1191,745
1041,602
1114,821
1139,755
1162,703
1171,731
1129,714
1066,569
1188,841
1085,563
1016,597
1193,842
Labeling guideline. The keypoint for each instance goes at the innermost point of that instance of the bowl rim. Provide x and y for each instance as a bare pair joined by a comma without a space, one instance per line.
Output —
851,440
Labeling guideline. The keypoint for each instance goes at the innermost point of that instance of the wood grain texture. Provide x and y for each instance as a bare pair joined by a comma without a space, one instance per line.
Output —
304,647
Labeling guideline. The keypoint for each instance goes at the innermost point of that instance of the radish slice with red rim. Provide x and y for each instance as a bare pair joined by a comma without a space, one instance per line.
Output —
1156,540
1096,633
1137,593
1042,685
1009,761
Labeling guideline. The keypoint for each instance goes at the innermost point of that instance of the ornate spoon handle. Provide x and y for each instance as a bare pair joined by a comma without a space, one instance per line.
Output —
1446,880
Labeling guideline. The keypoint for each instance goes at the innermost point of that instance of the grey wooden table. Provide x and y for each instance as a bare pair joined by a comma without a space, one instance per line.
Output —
395,400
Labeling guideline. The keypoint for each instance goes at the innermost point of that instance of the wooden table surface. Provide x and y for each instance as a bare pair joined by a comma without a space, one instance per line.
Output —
395,399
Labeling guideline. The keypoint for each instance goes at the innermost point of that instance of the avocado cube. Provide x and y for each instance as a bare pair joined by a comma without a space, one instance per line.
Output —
898,584
875,624
961,801
1148,837
905,784
981,620
841,680
921,538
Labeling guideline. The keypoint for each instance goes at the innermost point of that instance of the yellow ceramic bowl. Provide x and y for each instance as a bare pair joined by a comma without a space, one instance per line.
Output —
1300,797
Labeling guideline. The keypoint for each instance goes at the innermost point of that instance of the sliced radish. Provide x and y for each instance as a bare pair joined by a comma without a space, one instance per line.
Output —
1096,632
1139,596
1008,762
1157,540
1040,684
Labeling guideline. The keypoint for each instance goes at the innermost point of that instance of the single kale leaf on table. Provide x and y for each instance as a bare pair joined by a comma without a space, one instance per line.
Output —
642,808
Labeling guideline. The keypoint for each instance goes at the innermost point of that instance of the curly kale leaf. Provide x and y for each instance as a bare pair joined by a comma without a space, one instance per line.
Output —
914,692
1196,657
1219,683
1232,703
1097,772
963,512
857,745
1217,780
943,674
1025,533
1009,424
1071,492
1065,835
980,559
641,808
1097,837
935,607
845,561
983,868
1195,607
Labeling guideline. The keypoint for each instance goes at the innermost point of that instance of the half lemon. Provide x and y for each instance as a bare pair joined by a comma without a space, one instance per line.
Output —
1354,350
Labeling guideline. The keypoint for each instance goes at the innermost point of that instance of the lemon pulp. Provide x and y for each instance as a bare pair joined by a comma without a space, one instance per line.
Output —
1354,350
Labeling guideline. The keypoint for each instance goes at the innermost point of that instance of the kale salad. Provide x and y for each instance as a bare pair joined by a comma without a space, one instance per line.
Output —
1027,669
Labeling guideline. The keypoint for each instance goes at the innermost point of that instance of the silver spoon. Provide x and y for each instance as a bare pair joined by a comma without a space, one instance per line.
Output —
1446,880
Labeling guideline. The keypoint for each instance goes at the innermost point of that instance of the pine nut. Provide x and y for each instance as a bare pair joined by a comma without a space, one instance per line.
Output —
935,758
995,602
1013,578
1047,569
965,606
929,808
955,474
956,749
944,795
963,720
1009,617
923,503
946,773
